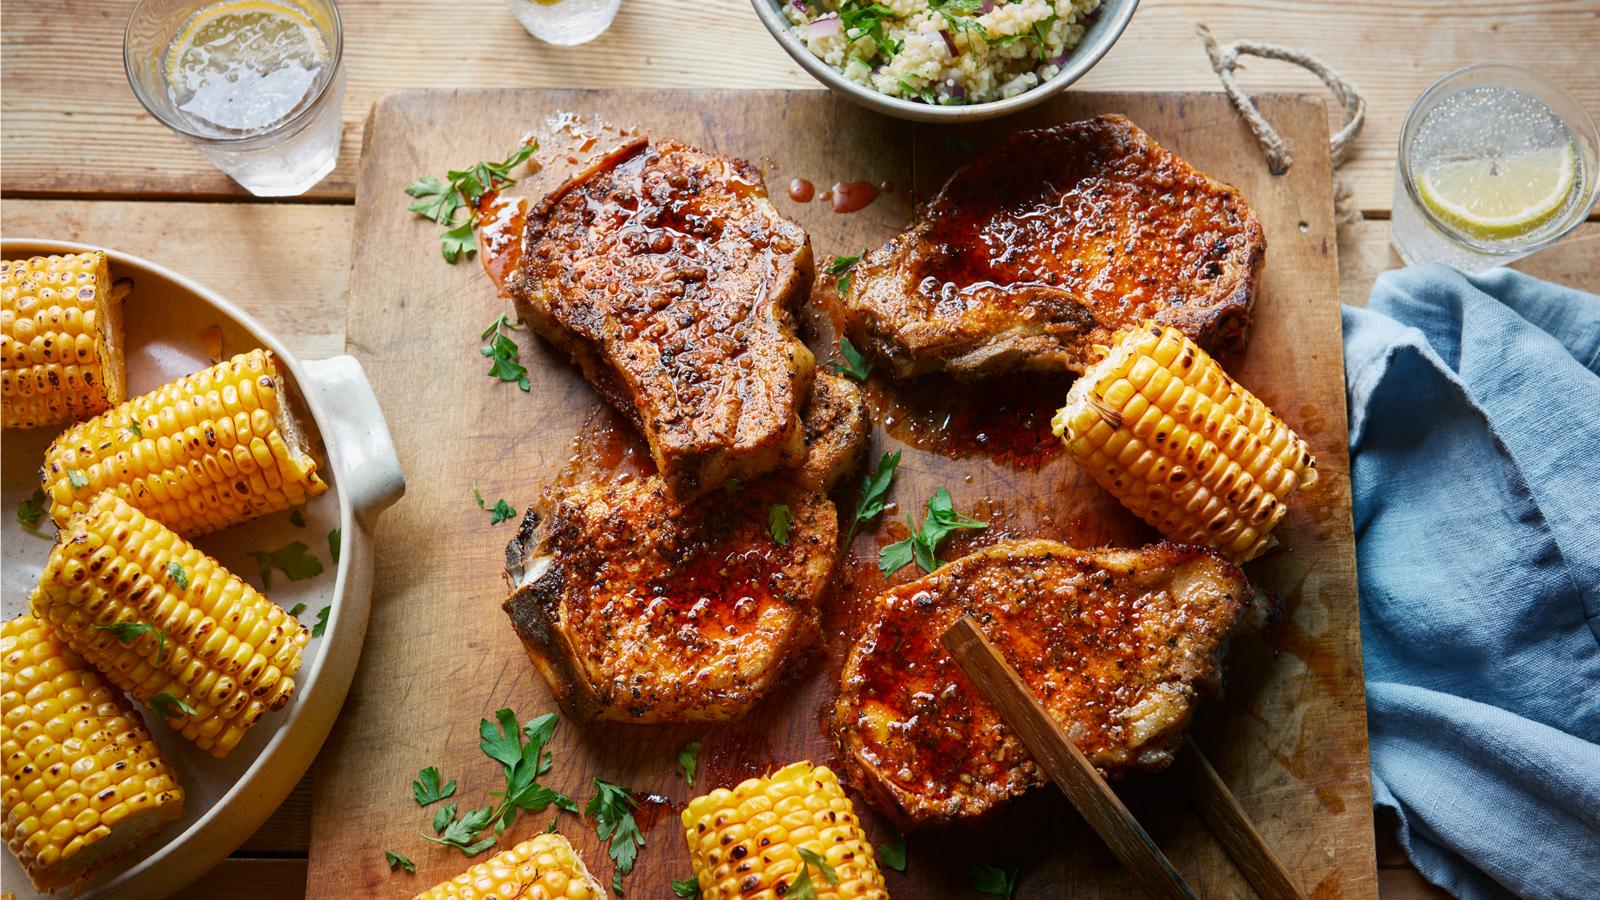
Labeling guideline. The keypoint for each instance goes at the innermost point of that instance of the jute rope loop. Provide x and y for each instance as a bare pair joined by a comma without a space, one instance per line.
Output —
1225,59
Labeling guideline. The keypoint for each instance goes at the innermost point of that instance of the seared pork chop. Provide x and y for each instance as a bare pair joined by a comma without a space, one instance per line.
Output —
638,606
671,279
1117,644
1050,244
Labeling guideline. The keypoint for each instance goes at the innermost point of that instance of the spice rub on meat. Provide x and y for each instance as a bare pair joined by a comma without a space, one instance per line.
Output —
637,606
1117,645
1031,255
671,279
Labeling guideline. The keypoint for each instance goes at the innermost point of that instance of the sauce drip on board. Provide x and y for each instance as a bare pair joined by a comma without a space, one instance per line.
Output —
851,196
731,758
801,190
500,222
605,449
1006,418
648,809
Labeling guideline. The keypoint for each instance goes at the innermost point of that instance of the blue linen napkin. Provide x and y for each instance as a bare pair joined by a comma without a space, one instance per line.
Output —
1475,470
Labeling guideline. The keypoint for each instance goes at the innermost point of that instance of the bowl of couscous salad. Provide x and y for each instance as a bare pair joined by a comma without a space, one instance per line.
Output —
946,60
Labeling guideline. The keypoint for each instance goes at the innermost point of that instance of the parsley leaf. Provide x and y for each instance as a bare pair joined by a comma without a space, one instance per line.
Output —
992,880
502,743
779,523
855,364
893,854
297,517
435,200
137,431
297,609
865,20
30,511
501,511
923,544
689,761
399,860
506,356
686,888
611,808
127,631
291,559
455,242
821,865
426,788
321,626
443,816
803,888
462,833
844,267
177,574
335,537
874,493
958,14
439,201
77,479
169,706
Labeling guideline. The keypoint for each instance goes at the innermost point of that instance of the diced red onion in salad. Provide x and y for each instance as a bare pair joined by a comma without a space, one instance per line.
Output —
988,6
801,5
827,26
949,42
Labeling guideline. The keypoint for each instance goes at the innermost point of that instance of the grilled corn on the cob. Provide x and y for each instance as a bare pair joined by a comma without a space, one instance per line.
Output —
207,451
61,331
1164,429
214,645
746,842
84,782
542,868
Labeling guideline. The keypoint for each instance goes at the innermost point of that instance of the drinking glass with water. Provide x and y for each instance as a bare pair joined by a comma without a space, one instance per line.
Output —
254,85
1495,162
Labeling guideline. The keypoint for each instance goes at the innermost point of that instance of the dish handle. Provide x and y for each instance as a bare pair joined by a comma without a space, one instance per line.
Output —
368,468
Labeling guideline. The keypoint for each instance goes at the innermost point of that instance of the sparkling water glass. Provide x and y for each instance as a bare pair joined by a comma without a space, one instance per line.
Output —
1484,112
272,126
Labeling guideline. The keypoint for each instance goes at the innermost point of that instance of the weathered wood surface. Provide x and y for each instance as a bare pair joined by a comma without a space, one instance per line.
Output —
1289,738
72,126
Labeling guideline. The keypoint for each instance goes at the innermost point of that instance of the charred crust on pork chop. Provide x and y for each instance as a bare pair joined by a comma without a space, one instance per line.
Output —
669,277
1117,644
1034,253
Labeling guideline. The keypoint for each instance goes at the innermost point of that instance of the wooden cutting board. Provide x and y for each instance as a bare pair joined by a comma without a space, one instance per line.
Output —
1289,735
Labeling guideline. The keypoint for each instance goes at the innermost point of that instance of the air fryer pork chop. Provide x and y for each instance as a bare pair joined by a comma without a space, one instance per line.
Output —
1117,645
1037,251
671,279
638,606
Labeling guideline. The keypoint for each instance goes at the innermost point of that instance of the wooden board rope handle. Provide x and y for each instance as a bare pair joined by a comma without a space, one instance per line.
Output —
1225,59
1221,812
1066,765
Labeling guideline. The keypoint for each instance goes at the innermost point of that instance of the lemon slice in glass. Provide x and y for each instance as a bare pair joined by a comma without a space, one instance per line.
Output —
246,63
1500,199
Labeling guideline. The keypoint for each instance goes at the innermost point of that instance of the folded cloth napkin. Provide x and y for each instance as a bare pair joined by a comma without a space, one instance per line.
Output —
1475,470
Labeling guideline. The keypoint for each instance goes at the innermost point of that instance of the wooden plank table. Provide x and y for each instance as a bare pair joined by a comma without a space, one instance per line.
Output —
81,160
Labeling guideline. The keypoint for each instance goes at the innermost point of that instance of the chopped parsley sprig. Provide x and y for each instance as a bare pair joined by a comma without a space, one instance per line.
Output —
441,201
779,523
127,631
803,888
855,364
874,494
291,559
689,761
499,512
923,544
866,20
844,267
521,750
30,511
993,880
612,810
503,351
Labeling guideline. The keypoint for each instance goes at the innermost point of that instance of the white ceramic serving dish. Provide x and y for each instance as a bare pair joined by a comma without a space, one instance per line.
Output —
1109,22
228,799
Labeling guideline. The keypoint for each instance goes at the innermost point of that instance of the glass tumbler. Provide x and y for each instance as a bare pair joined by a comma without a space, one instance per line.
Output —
272,128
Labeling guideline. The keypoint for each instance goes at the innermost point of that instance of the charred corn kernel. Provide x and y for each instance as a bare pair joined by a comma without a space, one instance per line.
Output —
543,868
84,782
1165,430
746,842
214,644
209,450
60,340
